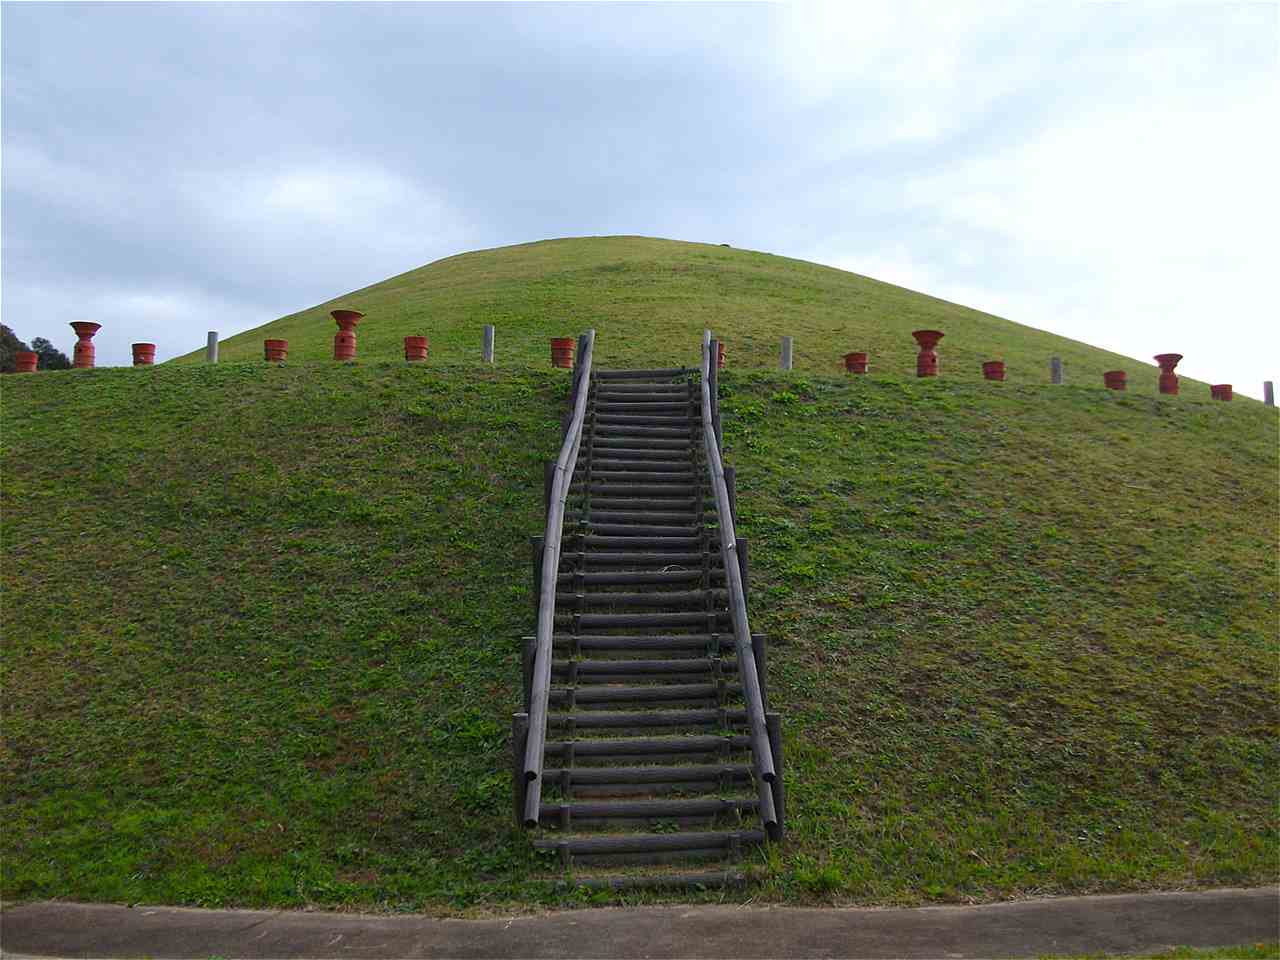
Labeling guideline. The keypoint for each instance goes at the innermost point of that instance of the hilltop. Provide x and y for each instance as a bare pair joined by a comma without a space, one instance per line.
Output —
650,300
261,622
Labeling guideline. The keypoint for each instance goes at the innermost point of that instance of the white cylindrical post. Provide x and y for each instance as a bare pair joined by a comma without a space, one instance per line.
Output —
1055,370
786,353
211,349
487,350
1269,393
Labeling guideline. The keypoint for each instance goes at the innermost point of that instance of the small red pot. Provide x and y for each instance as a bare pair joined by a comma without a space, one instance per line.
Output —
415,349
720,355
1113,379
276,351
24,361
562,349
927,359
84,352
993,369
144,354
1220,391
1168,379
855,363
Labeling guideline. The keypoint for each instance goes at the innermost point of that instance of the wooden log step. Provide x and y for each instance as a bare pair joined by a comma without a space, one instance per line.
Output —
651,491
620,747
605,578
645,397
682,479
659,454
650,842
674,619
628,388
652,443
596,542
645,809
613,719
640,558
683,773
671,599
668,408
650,642
687,516
655,375
590,669
687,505
584,694
637,431
633,530
654,466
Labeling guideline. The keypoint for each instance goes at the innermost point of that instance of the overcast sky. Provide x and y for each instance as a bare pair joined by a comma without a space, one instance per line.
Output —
1104,171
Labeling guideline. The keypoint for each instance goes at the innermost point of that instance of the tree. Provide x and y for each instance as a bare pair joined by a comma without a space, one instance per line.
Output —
9,347
51,358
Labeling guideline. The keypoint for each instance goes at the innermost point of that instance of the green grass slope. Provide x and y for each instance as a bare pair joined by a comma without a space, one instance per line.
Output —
650,299
259,633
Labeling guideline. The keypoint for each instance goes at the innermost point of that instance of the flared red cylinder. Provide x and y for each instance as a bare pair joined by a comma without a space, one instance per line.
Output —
415,349
1113,379
855,363
344,342
993,370
144,354
1220,391
927,359
24,361
83,355
1168,379
275,351
562,351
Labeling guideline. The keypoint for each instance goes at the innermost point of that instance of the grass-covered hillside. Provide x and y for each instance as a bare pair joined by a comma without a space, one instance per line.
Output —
259,630
650,300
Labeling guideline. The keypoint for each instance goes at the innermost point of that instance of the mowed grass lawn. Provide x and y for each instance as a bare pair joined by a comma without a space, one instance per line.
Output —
260,634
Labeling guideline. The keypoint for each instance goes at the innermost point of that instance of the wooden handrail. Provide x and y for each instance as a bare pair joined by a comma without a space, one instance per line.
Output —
761,751
540,687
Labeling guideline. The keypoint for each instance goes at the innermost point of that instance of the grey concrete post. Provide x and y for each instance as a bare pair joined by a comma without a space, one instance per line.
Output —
786,353
1268,393
211,349
1055,370
487,350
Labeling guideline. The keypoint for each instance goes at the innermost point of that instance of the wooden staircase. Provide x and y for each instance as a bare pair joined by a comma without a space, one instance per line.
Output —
651,751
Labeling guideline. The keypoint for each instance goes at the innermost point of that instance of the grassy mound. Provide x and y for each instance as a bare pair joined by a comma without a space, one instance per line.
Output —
260,632
651,299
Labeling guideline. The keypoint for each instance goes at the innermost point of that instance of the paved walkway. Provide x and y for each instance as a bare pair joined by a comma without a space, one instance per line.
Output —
1129,923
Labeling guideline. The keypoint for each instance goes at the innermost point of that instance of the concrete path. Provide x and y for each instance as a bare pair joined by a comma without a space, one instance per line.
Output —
1071,925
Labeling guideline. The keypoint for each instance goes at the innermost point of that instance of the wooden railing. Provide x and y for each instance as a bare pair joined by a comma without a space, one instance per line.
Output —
761,750
540,686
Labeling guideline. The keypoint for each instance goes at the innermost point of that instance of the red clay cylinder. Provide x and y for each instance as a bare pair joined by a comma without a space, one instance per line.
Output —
993,369
415,349
1220,391
720,355
276,351
1113,379
927,360
344,341
855,363
1168,379
562,351
144,354
24,361
84,353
